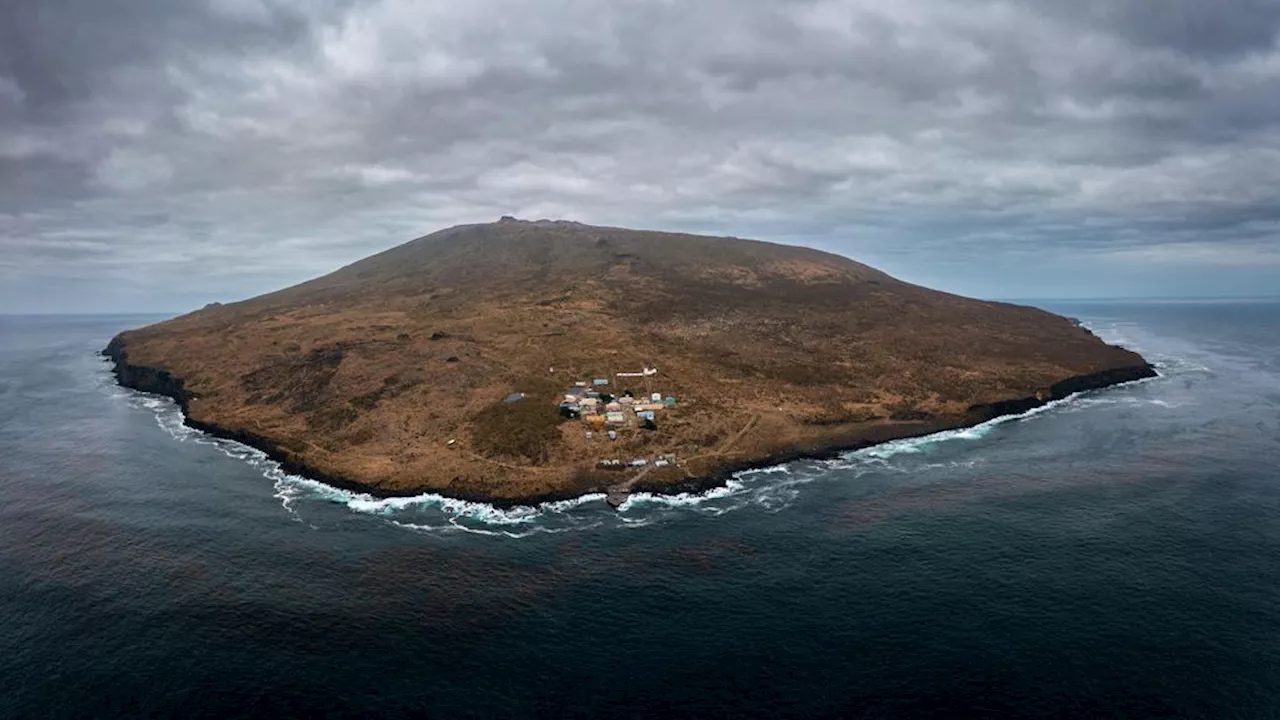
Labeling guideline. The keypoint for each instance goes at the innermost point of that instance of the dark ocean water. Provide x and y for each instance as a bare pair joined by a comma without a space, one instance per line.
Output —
1115,555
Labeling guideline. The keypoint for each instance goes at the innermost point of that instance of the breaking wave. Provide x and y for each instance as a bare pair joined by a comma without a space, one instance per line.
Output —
770,489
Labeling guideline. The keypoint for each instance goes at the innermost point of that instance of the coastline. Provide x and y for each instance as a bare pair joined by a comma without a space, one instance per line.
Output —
161,382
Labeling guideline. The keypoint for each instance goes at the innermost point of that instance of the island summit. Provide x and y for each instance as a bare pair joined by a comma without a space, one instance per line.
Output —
517,362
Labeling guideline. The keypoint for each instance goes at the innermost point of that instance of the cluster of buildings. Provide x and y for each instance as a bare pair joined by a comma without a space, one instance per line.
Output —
602,411
605,413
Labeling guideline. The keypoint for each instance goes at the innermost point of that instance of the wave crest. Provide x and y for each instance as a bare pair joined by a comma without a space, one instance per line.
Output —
770,489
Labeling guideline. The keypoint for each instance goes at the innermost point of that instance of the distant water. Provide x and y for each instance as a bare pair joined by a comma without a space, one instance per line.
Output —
1115,555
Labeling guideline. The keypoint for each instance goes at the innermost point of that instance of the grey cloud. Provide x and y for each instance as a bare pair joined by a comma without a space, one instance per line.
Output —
29,182
243,144
1202,29
61,51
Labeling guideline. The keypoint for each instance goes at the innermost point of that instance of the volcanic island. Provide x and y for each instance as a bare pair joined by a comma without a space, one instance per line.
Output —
518,362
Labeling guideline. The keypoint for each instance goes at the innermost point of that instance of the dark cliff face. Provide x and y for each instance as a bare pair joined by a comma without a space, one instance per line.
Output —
145,379
162,382
1058,391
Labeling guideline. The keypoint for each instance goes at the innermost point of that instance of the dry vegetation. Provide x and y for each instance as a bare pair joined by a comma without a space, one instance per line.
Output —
523,431
368,372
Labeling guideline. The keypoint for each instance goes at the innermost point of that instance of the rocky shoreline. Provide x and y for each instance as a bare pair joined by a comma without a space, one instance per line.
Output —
161,382
977,415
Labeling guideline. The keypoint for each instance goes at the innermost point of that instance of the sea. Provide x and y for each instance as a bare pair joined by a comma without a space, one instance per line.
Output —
1113,555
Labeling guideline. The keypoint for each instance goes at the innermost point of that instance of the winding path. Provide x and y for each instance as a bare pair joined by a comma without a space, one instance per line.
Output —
616,495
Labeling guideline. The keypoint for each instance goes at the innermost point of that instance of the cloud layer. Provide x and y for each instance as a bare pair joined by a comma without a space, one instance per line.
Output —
164,154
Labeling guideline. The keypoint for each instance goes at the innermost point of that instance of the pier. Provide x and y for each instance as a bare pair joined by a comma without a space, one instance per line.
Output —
618,494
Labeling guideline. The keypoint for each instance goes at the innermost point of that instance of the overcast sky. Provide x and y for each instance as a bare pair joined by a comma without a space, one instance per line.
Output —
161,154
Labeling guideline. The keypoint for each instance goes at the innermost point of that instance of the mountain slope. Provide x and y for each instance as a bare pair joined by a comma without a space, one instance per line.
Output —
771,351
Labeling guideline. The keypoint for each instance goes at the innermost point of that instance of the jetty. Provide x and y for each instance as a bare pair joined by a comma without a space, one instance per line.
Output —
618,494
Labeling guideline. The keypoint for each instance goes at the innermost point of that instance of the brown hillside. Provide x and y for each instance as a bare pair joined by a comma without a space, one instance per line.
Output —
771,351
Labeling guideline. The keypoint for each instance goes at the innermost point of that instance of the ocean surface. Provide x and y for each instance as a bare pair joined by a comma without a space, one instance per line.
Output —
1116,554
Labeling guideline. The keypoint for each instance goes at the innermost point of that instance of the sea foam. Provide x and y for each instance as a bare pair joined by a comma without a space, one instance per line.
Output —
769,488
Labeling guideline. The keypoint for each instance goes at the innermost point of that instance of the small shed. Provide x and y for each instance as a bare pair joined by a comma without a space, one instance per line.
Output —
513,397
600,382
615,417
656,397
670,401
646,415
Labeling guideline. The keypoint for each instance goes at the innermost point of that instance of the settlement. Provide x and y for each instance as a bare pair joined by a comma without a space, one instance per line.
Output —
605,414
